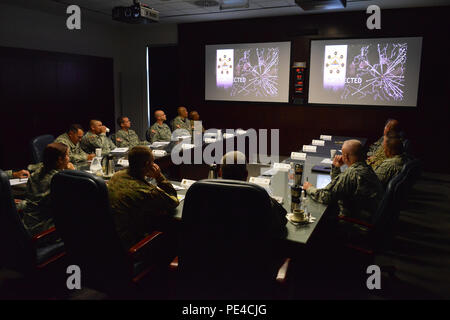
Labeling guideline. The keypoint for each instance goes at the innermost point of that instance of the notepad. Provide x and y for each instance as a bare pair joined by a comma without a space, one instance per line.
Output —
15,182
177,188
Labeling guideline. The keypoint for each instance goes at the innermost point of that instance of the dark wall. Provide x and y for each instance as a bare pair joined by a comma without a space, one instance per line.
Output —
426,125
163,91
44,92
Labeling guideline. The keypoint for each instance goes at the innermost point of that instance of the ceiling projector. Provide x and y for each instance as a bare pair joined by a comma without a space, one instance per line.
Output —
137,13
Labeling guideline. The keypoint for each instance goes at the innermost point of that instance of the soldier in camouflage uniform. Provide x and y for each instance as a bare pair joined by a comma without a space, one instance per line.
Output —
376,151
72,140
96,138
36,206
357,190
181,121
125,137
137,204
159,131
194,116
395,160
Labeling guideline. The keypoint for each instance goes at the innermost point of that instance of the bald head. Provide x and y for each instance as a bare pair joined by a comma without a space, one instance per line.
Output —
352,151
160,116
233,166
96,126
182,112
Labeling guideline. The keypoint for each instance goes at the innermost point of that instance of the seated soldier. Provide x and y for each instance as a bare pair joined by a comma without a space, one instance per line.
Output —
194,116
137,205
159,131
233,166
96,138
357,190
72,140
376,151
125,137
36,206
395,159
182,121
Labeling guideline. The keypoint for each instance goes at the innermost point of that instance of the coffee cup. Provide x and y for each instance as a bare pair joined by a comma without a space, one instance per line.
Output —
98,152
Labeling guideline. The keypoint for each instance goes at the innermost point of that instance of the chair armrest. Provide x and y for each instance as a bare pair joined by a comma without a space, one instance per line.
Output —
282,272
43,234
173,266
143,242
356,221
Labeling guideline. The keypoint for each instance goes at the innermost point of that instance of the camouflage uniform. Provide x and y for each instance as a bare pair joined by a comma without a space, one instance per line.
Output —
76,154
159,132
378,155
91,141
128,139
389,168
192,126
180,123
135,203
375,146
357,191
36,208
9,174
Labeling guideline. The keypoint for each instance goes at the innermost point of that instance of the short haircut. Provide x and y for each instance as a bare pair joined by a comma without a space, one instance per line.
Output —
91,123
355,149
75,127
137,158
234,166
120,120
52,153
394,145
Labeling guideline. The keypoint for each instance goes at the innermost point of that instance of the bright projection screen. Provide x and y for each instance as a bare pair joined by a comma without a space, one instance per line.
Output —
248,72
379,72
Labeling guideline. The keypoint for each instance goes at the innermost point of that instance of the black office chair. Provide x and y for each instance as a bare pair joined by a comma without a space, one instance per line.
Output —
18,250
38,145
84,220
226,249
407,147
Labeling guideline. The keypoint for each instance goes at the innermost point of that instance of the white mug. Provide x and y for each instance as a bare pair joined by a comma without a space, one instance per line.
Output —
98,152
332,153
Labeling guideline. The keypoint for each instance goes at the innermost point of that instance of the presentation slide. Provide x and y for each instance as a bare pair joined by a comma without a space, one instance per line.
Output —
378,72
248,72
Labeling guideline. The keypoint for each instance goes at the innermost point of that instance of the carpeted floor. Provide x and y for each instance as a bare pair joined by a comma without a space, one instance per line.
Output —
421,248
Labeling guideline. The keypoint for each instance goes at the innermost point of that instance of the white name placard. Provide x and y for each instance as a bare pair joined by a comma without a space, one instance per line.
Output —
298,156
320,143
186,183
309,148
281,166
123,162
159,153
263,182
210,140
325,137
187,146
228,135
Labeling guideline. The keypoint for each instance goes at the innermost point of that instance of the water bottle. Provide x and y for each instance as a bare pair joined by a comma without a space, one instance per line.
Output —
291,175
212,174
96,166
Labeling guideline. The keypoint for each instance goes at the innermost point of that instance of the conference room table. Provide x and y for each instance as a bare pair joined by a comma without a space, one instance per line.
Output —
297,234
